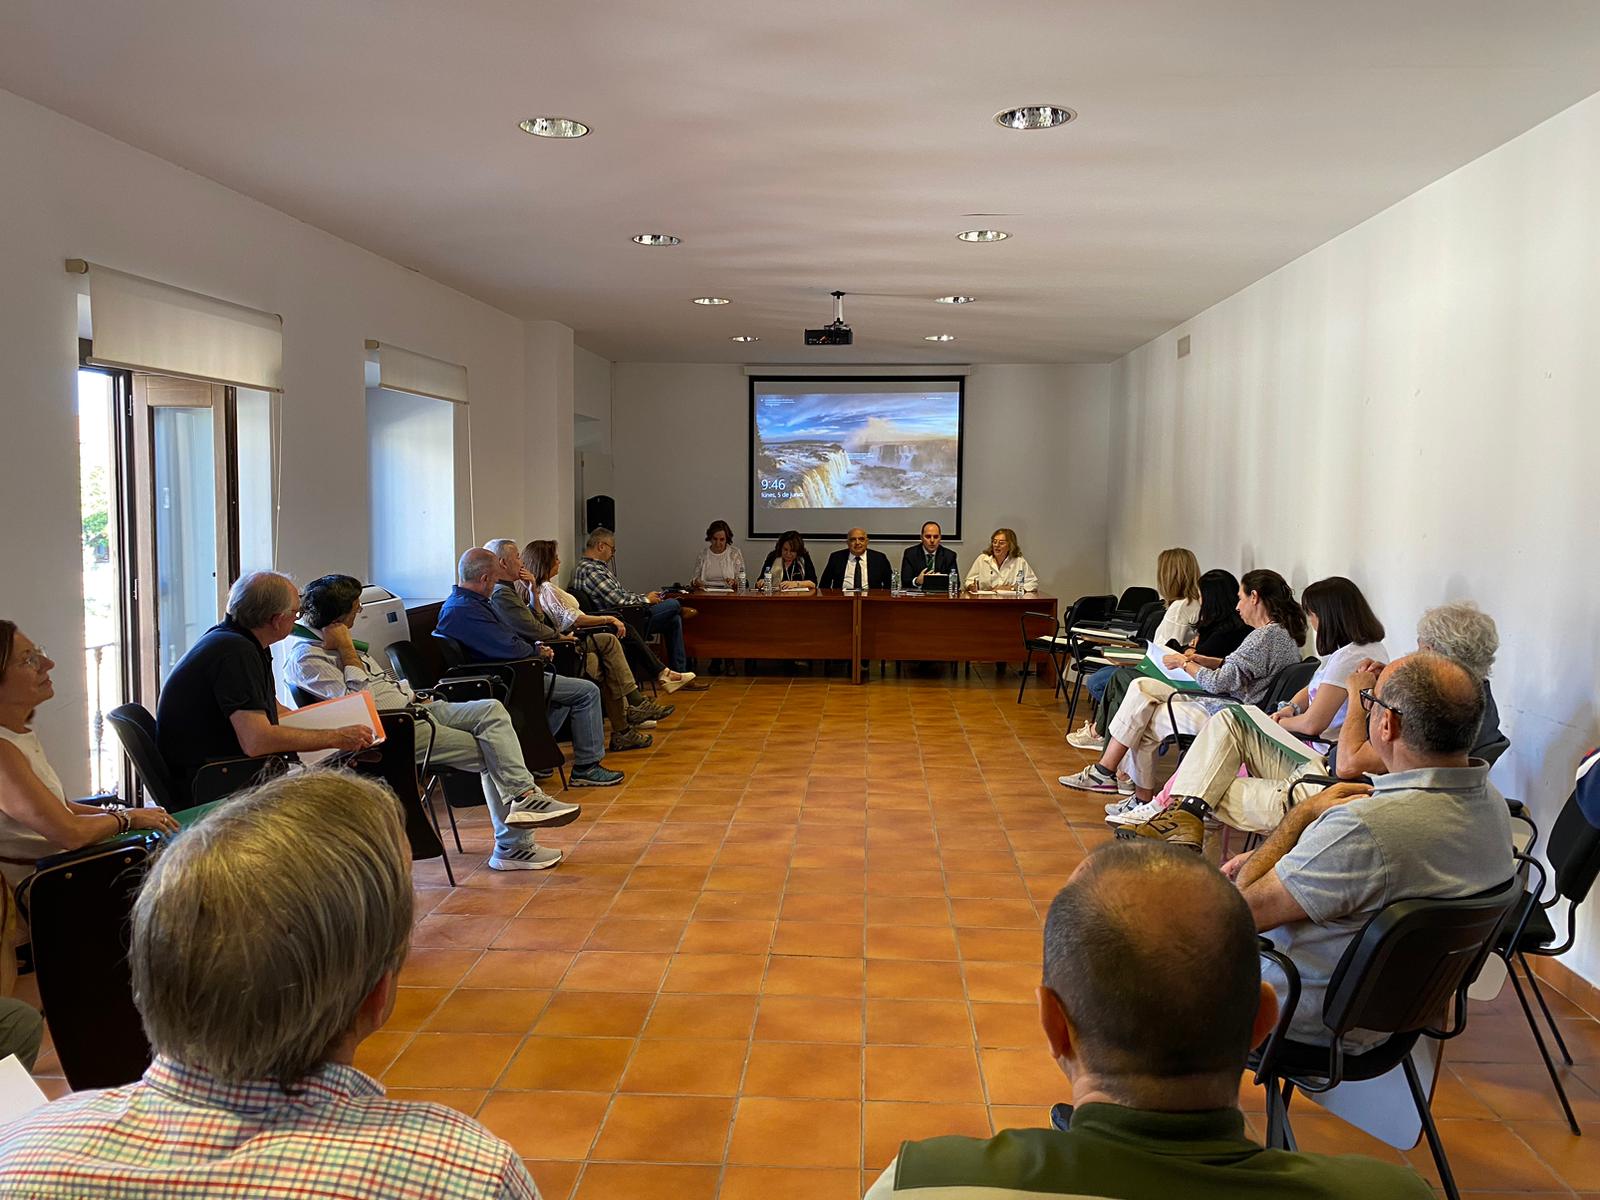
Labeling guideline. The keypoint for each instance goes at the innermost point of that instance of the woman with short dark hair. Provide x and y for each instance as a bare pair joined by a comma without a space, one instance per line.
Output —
721,564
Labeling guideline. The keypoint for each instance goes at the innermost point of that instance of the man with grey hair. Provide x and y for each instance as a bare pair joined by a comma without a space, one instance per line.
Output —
1430,826
219,701
595,582
468,617
628,709
1459,630
267,942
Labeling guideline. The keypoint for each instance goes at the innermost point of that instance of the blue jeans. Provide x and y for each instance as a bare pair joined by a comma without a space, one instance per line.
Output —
477,735
666,618
1098,682
580,700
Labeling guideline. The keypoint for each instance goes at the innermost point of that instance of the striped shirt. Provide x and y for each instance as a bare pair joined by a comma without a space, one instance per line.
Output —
182,1133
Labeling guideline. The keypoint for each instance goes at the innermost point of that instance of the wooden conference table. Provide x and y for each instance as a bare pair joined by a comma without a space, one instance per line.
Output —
860,625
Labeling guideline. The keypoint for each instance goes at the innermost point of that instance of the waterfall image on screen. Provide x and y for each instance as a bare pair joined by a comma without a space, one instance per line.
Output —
830,453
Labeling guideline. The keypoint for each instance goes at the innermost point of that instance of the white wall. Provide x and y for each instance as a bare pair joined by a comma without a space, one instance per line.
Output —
67,191
1034,460
1412,405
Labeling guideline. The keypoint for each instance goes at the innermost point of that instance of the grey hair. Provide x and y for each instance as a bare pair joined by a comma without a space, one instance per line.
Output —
503,548
599,536
1439,702
261,930
475,564
1462,631
255,598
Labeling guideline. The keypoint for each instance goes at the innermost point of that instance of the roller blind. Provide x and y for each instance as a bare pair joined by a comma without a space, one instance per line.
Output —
401,370
143,325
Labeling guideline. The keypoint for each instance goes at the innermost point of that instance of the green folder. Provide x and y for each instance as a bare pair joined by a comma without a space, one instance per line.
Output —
1146,667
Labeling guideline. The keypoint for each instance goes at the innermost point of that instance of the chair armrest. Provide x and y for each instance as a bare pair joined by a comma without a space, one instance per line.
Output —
466,687
1286,1008
101,799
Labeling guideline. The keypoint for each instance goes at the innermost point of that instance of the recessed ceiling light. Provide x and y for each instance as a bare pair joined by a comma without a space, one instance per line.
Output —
975,235
940,337
553,127
656,239
744,337
711,300
1034,116
954,299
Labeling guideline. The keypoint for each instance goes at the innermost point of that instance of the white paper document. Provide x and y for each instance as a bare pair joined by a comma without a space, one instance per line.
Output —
1157,653
19,1094
355,709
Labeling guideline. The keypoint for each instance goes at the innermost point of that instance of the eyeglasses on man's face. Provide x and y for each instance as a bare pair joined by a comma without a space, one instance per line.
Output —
1369,697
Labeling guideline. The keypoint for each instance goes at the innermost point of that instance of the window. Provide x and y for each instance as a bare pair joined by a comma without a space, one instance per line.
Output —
411,442
102,564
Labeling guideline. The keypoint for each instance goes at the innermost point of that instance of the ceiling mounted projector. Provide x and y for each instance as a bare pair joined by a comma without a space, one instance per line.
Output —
837,333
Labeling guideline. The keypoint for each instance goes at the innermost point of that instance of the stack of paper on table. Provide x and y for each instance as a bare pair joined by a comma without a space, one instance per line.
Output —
355,709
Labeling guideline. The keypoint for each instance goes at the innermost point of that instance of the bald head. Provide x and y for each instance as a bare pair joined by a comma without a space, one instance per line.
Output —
478,571
1437,701
1152,954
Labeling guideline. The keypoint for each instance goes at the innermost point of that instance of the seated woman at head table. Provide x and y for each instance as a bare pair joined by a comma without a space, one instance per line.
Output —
720,564
793,572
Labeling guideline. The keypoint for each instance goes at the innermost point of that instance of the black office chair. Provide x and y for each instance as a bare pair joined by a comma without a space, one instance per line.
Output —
1409,967
80,904
1573,849
1041,634
1132,600
525,701
136,730
1088,657
395,764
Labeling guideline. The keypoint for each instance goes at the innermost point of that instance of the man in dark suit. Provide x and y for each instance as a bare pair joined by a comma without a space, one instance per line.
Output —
857,567
928,558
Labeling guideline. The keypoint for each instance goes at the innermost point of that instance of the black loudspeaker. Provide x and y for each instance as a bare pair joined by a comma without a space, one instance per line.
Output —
600,512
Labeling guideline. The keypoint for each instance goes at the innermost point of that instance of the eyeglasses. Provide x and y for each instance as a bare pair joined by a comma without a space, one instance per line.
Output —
34,659
1369,698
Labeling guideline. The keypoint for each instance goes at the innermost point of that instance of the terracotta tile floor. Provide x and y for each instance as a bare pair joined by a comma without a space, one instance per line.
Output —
806,929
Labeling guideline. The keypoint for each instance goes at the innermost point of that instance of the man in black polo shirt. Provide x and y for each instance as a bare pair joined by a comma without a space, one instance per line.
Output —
1152,1022
219,701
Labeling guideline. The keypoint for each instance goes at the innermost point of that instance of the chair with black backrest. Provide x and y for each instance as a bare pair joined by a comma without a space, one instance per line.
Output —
136,730
1573,849
303,699
80,904
1132,601
525,701
1089,656
394,762
422,666
1408,969
1041,634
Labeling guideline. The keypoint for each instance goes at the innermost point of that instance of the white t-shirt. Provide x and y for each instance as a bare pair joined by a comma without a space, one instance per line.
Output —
1179,623
16,839
1336,668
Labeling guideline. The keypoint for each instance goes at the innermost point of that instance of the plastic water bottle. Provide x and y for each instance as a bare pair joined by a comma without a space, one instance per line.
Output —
952,578
894,581
767,582
744,582
1021,579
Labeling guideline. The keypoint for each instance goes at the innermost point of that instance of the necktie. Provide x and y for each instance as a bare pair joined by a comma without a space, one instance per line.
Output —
930,562
857,584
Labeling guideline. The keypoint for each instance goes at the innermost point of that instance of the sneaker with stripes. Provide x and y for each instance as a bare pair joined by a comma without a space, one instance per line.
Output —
537,808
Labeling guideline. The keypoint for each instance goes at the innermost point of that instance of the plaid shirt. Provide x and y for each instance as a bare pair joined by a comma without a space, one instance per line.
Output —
596,583
180,1132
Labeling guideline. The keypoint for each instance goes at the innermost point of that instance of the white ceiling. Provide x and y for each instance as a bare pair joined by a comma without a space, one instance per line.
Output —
807,145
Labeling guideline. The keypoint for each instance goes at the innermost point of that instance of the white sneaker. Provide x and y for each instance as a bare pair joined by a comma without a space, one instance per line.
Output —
1126,804
529,858
1137,815
1089,780
1124,785
1085,738
537,808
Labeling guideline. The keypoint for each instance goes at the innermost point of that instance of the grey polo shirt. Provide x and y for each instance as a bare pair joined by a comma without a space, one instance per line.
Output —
1435,832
